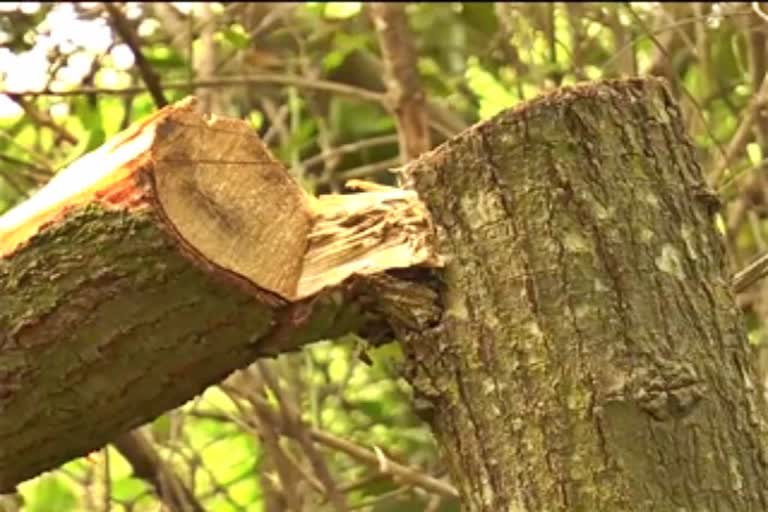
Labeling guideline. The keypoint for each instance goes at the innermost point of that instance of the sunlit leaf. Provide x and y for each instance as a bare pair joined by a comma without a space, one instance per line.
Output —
341,10
48,494
493,96
236,35
128,489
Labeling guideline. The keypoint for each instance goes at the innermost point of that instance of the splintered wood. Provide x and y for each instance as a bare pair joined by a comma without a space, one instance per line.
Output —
232,207
364,234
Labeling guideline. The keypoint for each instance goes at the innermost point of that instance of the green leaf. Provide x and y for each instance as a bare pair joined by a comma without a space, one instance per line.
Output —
48,494
343,45
374,409
493,96
755,153
112,111
480,16
357,119
342,10
91,120
128,489
236,36
256,119
165,58
387,357
161,428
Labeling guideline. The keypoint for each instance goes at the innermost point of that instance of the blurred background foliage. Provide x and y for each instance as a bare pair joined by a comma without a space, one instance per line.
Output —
309,78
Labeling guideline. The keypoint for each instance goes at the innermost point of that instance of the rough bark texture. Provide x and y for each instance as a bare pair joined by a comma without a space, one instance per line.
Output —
155,266
590,356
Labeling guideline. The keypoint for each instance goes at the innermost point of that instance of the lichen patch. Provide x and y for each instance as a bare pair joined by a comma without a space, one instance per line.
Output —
576,243
646,235
688,236
669,261
651,200
482,208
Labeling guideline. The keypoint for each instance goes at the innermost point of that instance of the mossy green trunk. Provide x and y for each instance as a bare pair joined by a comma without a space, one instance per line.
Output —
590,356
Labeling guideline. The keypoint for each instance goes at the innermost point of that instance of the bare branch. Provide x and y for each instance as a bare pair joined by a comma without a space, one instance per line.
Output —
256,78
749,275
365,171
292,420
402,77
123,27
148,466
43,119
372,458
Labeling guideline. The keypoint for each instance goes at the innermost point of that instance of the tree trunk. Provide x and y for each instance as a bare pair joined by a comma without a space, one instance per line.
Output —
590,355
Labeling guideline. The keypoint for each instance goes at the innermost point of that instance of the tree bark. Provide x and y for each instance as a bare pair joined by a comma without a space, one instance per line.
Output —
155,266
590,355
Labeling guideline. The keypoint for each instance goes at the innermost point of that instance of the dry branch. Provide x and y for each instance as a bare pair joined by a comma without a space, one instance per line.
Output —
402,77
148,466
123,27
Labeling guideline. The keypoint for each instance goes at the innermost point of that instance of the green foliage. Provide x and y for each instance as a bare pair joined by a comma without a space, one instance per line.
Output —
93,129
49,493
165,59
236,36
493,96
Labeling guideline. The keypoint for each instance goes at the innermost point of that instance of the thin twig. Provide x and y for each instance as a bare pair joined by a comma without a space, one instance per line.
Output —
285,470
445,122
292,421
107,481
11,181
362,482
371,503
258,419
35,173
677,24
368,170
43,119
45,163
352,147
124,29
759,11
148,466
277,117
377,460
204,56
255,78
743,132
405,473
402,77
752,273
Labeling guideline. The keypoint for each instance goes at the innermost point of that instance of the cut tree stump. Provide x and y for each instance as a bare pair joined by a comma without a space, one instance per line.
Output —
153,267
590,355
